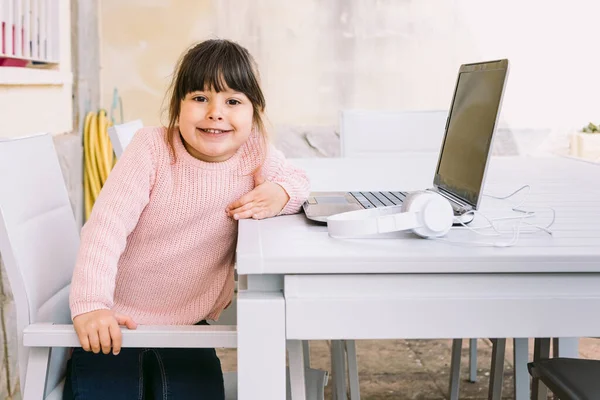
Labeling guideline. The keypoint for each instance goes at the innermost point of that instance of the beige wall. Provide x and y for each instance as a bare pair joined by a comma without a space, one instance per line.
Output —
140,44
39,102
319,57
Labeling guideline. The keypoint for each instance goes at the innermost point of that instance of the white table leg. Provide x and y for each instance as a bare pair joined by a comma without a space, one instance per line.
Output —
353,370
338,369
297,369
497,370
472,360
306,352
541,350
333,363
565,347
521,375
455,369
261,346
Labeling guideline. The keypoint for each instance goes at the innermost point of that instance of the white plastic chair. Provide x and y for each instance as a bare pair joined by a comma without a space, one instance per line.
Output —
370,133
121,135
39,240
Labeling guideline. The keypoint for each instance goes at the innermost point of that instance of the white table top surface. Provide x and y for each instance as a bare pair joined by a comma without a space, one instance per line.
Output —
295,245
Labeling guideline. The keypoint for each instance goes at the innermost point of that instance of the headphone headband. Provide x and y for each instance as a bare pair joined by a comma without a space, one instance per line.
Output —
428,214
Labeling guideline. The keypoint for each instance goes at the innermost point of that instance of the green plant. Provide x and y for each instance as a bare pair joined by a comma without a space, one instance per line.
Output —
591,128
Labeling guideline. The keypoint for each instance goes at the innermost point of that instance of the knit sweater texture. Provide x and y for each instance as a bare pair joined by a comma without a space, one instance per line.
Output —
159,246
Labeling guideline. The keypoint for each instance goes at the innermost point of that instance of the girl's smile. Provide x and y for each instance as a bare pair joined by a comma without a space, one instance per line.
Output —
213,133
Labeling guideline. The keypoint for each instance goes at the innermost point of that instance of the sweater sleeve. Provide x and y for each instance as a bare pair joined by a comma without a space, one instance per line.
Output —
293,179
115,214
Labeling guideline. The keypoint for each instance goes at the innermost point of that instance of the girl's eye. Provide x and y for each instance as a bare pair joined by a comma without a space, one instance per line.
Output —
199,98
233,102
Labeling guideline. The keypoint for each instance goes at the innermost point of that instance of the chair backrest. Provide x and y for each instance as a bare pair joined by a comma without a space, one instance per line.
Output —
39,239
369,133
121,135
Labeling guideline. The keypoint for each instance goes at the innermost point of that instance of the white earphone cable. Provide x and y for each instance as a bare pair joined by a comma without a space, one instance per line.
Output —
492,223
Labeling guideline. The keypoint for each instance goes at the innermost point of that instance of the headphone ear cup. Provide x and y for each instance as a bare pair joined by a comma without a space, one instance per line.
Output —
434,212
411,199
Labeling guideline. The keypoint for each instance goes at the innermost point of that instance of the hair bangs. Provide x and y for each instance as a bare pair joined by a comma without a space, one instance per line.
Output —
218,68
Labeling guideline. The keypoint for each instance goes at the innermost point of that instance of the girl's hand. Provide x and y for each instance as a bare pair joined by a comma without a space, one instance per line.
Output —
267,199
99,330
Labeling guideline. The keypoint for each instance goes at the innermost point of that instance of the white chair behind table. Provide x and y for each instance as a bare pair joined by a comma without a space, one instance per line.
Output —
369,133
120,136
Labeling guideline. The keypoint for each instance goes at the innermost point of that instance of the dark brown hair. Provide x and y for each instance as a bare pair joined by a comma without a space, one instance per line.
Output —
215,65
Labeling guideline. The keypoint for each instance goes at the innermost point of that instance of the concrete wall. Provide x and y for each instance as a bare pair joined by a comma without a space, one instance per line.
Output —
319,57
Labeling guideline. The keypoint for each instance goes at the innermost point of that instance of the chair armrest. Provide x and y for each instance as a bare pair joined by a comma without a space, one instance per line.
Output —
174,336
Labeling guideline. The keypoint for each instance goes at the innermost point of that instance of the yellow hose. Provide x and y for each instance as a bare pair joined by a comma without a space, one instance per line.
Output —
98,157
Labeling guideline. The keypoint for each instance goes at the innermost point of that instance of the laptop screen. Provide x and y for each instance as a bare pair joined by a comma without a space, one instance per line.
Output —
469,130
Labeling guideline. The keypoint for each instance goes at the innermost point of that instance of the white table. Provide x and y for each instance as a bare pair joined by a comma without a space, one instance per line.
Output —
302,284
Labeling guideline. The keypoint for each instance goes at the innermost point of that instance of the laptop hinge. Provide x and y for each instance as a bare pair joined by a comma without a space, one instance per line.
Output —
459,205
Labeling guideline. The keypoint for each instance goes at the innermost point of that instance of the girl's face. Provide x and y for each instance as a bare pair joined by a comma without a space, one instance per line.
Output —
215,125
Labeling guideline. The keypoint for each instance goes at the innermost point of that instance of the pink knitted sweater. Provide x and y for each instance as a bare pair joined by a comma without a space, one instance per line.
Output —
159,245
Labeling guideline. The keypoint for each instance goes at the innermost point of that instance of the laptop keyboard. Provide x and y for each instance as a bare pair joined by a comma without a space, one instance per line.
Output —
379,199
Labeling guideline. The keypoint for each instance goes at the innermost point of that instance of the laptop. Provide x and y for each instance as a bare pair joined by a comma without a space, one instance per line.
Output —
464,154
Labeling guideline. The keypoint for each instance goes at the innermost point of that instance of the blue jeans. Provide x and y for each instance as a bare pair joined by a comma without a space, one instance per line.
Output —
144,374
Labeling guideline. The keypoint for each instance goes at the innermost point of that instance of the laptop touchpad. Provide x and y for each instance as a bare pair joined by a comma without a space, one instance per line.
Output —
331,200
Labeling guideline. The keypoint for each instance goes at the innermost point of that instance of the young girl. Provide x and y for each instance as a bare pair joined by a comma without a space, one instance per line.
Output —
159,246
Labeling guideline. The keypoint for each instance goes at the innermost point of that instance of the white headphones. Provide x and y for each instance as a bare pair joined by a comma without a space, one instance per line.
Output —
428,214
